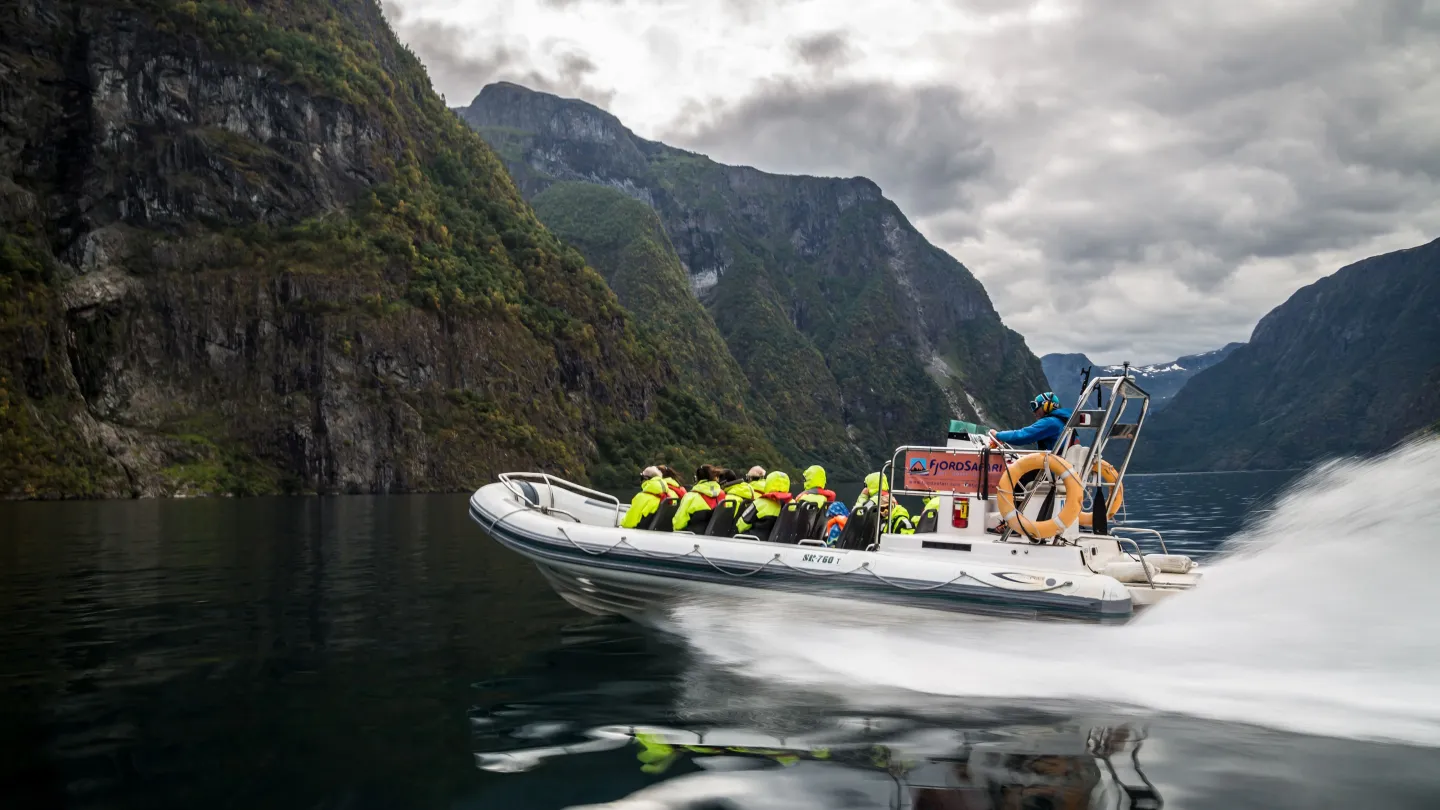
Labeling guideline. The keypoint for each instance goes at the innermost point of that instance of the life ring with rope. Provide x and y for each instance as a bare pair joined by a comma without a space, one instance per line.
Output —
1050,463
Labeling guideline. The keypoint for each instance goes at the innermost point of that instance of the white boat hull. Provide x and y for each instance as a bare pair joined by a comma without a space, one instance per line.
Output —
607,570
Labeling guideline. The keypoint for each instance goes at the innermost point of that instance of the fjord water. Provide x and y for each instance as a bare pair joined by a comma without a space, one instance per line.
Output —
361,652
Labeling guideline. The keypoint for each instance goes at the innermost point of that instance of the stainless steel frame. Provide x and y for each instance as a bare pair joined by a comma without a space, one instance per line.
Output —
1122,391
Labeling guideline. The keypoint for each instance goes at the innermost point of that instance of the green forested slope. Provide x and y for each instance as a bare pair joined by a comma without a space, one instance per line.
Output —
850,327
244,247
1348,365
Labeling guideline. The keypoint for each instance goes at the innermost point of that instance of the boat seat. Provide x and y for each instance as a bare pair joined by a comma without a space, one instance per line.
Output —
699,519
664,518
929,522
799,520
784,529
763,527
810,522
722,519
859,530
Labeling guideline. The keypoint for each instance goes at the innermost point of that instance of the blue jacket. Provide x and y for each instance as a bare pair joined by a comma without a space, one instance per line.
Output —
1043,433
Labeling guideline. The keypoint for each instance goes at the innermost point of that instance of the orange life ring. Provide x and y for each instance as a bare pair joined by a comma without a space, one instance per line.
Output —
1074,495
1109,475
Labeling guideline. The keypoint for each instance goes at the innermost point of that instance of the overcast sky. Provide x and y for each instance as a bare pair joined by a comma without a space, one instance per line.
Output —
1134,179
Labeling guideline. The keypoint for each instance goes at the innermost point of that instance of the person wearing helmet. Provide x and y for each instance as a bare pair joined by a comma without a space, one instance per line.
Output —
815,491
1049,423
700,502
760,516
875,483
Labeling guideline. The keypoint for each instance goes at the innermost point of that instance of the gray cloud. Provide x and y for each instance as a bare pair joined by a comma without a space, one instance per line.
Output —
823,51
1211,157
742,10
458,68
918,141
1169,170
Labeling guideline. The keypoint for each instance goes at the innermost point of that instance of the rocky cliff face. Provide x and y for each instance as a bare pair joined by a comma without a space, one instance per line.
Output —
245,248
853,331
1162,381
1348,365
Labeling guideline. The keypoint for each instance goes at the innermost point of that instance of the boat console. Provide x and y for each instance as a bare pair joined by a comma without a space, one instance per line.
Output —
989,512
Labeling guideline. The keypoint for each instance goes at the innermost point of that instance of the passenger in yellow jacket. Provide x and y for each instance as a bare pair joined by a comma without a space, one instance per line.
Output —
645,502
737,489
761,515
896,517
702,498
900,522
929,512
815,491
738,496
875,483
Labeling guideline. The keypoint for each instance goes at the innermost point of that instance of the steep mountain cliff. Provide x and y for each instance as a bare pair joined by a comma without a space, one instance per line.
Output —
852,330
1162,381
244,247
1350,364
624,240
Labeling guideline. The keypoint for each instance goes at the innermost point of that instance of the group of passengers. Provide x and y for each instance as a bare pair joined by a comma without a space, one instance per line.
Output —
757,498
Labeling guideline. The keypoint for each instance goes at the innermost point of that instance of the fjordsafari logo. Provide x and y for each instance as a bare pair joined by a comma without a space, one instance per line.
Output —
917,466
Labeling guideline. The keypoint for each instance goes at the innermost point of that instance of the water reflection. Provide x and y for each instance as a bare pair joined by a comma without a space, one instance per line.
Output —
723,741
619,717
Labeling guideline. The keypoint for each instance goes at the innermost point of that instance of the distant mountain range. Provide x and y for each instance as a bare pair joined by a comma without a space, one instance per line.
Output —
1348,365
1161,380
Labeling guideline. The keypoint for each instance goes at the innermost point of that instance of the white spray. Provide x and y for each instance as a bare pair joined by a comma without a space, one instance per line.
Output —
1323,618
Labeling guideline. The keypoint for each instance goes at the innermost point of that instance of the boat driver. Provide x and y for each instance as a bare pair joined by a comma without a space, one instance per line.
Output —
1049,423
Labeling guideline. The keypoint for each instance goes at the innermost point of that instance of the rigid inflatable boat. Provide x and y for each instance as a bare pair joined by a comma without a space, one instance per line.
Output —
1017,533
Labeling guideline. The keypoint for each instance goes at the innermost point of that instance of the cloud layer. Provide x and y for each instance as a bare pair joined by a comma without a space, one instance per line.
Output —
1133,180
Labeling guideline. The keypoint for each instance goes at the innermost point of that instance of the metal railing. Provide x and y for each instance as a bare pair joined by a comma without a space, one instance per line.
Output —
551,482
1143,530
1123,391
1144,566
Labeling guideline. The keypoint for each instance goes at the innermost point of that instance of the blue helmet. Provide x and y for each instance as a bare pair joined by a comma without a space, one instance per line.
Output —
1046,403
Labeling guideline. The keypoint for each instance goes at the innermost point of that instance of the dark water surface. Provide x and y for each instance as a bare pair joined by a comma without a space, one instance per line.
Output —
360,652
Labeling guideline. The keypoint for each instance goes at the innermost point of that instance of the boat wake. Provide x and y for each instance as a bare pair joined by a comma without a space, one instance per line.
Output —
1322,618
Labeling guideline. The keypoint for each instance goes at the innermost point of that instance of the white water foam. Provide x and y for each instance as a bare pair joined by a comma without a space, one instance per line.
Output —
1323,618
